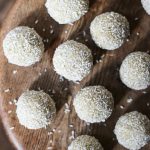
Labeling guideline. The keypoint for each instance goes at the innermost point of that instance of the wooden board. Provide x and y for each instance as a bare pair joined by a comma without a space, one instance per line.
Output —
26,12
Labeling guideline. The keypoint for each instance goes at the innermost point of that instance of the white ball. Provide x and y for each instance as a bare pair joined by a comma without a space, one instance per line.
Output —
23,46
135,70
35,109
67,11
133,130
146,5
109,30
73,60
85,142
94,104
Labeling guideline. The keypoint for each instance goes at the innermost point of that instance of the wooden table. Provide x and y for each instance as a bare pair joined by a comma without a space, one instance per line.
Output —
5,6
26,12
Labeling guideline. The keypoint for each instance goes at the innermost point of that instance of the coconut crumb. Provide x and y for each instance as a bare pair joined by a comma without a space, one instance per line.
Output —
45,70
67,109
144,92
15,101
51,31
40,73
61,78
54,130
86,40
77,38
72,137
59,131
136,19
50,133
84,33
129,100
122,107
7,90
51,141
14,71
66,32
10,103
10,111
12,128
36,21
71,125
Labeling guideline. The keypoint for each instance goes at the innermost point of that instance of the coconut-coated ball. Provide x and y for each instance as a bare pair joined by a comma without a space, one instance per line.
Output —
94,104
35,109
67,11
85,142
135,70
23,46
133,130
146,5
109,30
73,60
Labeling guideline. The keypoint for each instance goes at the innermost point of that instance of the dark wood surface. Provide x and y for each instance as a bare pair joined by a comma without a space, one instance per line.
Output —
5,6
26,12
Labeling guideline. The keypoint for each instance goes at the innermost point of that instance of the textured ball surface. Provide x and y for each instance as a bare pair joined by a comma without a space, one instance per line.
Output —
133,130
135,70
94,104
67,11
23,46
73,60
109,30
35,109
146,5
85,142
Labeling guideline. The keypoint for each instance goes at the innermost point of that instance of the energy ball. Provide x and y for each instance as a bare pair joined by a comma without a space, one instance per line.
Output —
109,30
73,60
67,11
146,5
133,130
35,109
85,142
94,104
135,70
23,46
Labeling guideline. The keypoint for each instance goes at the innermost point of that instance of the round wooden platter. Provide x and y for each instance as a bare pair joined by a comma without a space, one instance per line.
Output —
42,76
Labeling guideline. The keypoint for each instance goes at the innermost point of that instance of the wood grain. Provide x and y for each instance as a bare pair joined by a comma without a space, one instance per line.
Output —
26,12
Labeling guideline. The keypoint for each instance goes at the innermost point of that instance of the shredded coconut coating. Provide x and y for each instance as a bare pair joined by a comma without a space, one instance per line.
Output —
73,60
85,142
146,5
135,70
94,104
109,30
67,11
23,46
133,130
35,109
